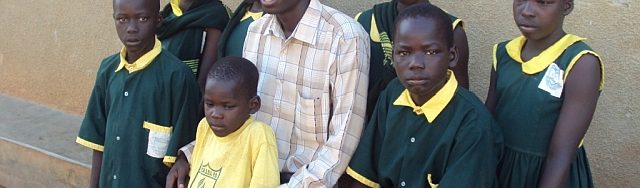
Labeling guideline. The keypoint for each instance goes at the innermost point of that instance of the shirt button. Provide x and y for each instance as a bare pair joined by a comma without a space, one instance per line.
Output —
117,138
413,139
116,177
126,93
402,183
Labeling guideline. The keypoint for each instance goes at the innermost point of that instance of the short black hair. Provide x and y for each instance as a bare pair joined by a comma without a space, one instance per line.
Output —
429,11
236,69
154,4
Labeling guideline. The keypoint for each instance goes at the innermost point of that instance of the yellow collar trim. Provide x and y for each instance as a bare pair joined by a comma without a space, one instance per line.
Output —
175,7
542,60
432,108
142,62
254,15
235,134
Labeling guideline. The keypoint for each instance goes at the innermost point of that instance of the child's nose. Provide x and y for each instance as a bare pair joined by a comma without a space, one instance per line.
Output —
132,27
216,113
526,9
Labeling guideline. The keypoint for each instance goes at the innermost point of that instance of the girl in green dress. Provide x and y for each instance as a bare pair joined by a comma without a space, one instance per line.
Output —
544,89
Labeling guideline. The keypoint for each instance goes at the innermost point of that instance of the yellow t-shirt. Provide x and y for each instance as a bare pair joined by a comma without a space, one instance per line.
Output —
247,157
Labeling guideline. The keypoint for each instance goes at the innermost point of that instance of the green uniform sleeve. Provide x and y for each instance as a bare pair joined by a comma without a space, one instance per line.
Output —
364,163
92,130
185,100
474,157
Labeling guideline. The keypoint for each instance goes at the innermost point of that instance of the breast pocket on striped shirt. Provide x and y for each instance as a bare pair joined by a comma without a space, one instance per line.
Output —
308,117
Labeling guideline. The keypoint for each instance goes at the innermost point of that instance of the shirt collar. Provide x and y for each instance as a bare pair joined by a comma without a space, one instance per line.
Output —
307,28
432,108
142,62
175,7
253,15
545,58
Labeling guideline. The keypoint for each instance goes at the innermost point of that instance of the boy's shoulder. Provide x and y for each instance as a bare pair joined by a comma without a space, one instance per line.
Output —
260,131
469,103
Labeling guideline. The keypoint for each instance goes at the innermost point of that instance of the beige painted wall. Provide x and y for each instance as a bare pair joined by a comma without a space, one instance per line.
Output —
50,50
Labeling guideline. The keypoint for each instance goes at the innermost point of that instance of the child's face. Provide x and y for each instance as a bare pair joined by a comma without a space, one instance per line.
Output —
538,19
421,57
227,106
135,23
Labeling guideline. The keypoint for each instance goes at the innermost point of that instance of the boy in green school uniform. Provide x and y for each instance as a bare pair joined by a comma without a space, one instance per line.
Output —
379,22
232,39
191,30
142,107
426,130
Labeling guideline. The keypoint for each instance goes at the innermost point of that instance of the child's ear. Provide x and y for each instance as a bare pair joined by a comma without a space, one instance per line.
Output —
254,104
567,7
453,56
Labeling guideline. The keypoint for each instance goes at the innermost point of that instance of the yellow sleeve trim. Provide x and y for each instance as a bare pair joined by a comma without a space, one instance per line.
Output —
169,160
361,178
357,16
495,57
374,33
88,144
157,128
575,60
431,184
455,24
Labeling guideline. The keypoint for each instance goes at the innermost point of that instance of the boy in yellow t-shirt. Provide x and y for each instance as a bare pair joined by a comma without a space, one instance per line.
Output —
232,149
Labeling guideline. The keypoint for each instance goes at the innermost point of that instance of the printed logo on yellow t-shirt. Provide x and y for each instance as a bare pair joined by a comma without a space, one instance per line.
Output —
206,177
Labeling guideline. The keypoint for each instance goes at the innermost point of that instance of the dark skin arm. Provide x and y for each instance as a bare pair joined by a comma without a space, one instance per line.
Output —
209,55
357,184
491,100
581,96
96,165
178,175
461,69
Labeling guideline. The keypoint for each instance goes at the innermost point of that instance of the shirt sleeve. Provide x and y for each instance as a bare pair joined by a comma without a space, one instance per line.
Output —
93,128
185,98
265,168
475,154
363,165
349,82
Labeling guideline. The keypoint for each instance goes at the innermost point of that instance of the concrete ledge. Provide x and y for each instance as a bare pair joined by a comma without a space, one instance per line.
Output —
26,166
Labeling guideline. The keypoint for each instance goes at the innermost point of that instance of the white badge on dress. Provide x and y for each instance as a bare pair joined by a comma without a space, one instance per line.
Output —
552,81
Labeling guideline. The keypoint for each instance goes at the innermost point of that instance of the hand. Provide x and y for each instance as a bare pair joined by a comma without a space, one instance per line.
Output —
179,174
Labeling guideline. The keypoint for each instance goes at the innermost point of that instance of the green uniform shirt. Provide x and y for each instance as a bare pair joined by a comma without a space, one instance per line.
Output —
235,42
379,22
450,141
183,35
529,100
139,117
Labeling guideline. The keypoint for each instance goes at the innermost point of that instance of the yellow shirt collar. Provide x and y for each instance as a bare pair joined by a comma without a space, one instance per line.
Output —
254,15
544,59
142,62
432,108
175,7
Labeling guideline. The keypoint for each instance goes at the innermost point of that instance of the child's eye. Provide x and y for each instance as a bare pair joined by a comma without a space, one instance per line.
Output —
403,53
431,52
143,19
121,20
228,107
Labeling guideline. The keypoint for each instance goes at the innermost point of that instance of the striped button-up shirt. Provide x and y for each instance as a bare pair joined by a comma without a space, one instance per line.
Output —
313,87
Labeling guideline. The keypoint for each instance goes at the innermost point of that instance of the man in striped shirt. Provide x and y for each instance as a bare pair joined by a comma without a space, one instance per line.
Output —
313,62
